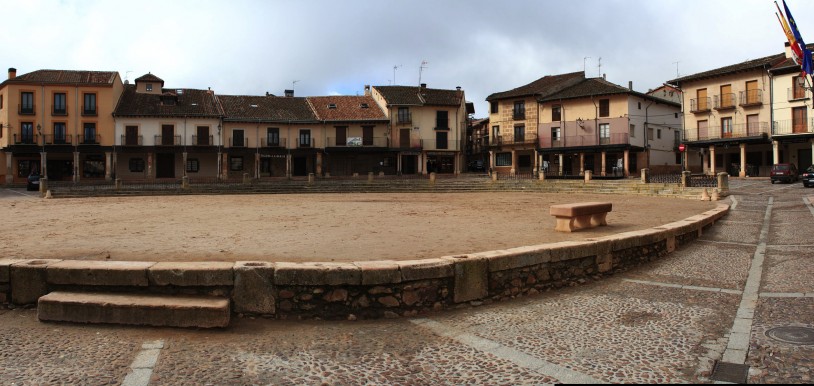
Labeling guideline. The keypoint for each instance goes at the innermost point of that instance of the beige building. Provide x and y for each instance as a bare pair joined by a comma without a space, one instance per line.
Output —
426,127
58,123
793,127
727,115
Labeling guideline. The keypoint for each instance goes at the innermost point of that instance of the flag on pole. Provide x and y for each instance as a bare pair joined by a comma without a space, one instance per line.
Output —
796,55
807,62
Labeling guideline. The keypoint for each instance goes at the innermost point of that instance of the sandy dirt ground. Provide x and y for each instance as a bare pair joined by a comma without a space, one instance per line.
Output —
348,227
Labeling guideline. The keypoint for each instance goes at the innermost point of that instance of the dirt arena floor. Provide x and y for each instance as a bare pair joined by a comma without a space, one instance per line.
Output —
348,227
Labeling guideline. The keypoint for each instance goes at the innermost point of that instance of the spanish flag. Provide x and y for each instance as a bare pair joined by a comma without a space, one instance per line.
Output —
798,46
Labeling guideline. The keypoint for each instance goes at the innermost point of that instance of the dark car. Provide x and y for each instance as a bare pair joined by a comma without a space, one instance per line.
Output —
808,177
784,172
33,182
477,166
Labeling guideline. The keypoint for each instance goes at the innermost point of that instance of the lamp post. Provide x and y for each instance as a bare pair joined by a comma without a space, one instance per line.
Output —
220,157
43,168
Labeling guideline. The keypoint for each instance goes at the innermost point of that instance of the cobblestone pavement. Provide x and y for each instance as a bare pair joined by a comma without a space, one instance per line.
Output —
664,322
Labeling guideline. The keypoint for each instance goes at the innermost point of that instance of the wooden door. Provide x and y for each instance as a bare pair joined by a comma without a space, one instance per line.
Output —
203,136
367,135
165,165
727,98
703,130
341,136
751,92
404,138
752,125
131,135
167,135
798,120
702,100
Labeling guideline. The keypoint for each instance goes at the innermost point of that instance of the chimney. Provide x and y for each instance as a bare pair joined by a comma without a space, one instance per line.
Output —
12,73
458,88
423,86
367,90
289,93
788,51
604,77
267,93
630,85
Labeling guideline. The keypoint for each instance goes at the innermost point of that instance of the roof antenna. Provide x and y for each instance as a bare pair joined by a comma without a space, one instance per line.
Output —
676,63
126,75
599,66
421,69
394,73
584,60
294,83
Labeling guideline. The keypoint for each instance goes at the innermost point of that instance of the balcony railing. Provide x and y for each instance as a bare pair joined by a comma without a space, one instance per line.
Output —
88,112
168,140
442,124
26,110
585,140
306,143
62,139
796,94
404,118
25,139
751,98
60,111
279,142
411,144
700,105
791,127
358,142
132,140
725,101
238,142
203,140
741,130
432,144
90,139
518,115
509,140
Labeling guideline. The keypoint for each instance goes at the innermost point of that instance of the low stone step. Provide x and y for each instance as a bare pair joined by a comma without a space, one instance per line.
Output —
134,309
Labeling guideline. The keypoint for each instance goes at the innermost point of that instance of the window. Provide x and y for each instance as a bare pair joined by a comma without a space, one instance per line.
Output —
236,163
632,131
441,141
193,165
650,133
305,138
332,106
604,130
798,120
367,135
364,106
202,136
519,134
89,129
726,127
89,108
26,103
136,165
519,111
640,105
167,135
495,131
798,88
59,104
237,139
494,107
131,136
149,87
59,133
273,136
27,133
658,133
503,159
556,113
1,102
604,107
404,115
556,134
441,120
703,102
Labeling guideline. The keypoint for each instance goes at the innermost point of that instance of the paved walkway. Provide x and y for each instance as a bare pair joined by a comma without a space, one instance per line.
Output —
666,322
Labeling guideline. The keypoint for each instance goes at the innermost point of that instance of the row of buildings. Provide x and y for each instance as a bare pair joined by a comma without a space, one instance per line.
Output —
739,119
80,125
86,125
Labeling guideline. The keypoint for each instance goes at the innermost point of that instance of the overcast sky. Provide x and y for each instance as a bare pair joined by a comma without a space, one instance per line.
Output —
338,46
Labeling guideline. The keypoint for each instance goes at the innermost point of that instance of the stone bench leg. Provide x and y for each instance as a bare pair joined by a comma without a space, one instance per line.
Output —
582,222
599,219
564,224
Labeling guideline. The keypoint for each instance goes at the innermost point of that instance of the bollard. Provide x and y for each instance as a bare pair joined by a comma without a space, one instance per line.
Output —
645,176
118,184
43,186
370,177
432,177
705,195
185,182
686,179
588,175
381,174
355,175
542,176
310,178
723,182
494,176
246,180
714,196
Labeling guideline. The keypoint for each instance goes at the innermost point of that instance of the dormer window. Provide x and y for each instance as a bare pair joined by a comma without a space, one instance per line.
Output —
169,99
332,106
254,106
365,106
149,87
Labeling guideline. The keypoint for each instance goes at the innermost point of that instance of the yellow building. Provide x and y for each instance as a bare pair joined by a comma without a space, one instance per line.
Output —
793,128
58,123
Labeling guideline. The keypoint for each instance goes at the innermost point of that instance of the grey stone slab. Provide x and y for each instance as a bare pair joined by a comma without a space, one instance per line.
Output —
192,274
254,290
99,273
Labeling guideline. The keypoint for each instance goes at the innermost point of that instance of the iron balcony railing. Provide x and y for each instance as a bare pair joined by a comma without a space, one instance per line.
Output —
203,140
798,93
585,140
273,142
25,139
60,110
238,142
26,110
61,139
88,111
433,144
518,115
132,140
509,140
357,142
791,127
90,139
306,143
699,105
725,101
741,130
404,118
409,144
751,98
168,140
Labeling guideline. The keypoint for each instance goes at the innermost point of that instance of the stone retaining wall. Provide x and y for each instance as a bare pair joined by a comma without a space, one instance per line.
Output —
362,290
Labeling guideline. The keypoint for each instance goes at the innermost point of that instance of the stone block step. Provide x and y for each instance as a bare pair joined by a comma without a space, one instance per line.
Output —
134,309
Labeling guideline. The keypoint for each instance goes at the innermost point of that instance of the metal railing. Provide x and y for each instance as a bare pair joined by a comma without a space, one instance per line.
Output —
136,140
64,139
518,115
90,139
25,139
751,98
507,140
26,110
695,181
585,140
238,142
740,130
306,143
404,118
432,144
725,101
793,127
698,105
280,142
203,140
88,112
362,142
61,111
167,140
795,94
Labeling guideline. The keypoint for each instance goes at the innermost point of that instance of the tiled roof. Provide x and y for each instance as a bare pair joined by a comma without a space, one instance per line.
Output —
347,108
242,108
190,102
417,96
148,77
542,87
748,65
92,78
597,87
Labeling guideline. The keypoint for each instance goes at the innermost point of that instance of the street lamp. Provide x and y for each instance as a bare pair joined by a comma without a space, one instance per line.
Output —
43,169
220,157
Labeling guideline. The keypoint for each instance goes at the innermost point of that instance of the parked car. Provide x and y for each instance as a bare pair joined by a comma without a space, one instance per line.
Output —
784,172
33,182
476,166
808,177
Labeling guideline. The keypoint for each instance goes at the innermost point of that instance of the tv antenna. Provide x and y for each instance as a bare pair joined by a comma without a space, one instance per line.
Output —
294,83
394,72
421,69
599,66
126,74
676,63
584,60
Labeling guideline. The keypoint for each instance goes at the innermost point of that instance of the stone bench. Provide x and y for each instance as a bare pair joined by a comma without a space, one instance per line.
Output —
572,217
